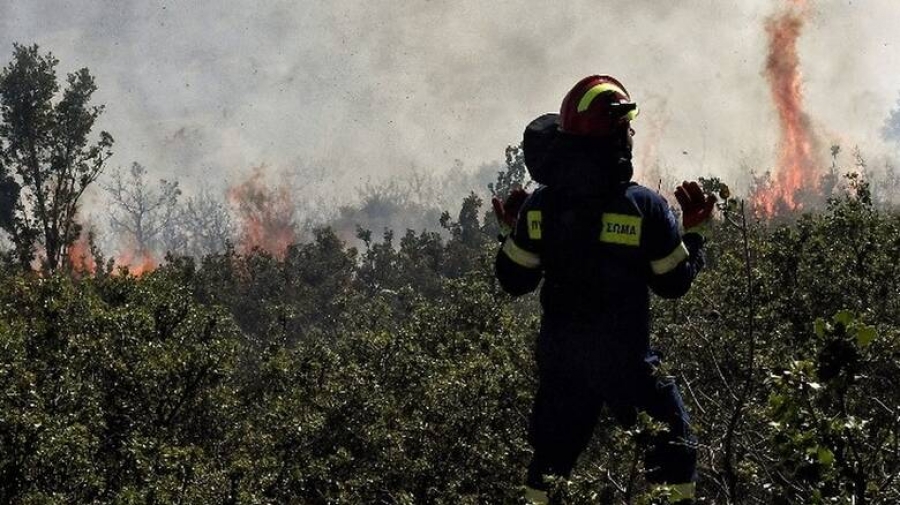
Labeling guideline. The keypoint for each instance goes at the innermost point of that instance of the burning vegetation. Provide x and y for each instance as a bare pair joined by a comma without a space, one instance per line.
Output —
265,215
795,180
136,262
80,256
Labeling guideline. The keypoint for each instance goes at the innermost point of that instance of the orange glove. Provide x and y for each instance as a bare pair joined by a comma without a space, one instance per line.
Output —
508,211
696,207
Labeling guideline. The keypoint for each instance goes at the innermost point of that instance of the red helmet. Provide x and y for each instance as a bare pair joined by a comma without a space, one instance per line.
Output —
597,106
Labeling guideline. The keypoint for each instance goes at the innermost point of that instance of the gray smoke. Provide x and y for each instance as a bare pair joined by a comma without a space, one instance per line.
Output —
343,91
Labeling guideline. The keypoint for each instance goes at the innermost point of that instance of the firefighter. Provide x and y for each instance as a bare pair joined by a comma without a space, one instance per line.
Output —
599,242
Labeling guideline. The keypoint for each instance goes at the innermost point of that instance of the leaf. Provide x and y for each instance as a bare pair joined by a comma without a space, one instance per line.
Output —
865,335
844,317
820,326
826,457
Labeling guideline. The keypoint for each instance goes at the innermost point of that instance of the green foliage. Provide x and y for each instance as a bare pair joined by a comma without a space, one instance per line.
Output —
829,434
782,389
399,373
113,391
514,176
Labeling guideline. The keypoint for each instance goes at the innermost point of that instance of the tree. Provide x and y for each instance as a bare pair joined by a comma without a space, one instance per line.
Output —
515,175
142,213
46,157
208,225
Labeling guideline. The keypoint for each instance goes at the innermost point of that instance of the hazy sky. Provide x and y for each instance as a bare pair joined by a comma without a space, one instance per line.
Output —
205,90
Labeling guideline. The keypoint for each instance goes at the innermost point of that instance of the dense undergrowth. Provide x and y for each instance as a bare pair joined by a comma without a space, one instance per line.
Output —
400,373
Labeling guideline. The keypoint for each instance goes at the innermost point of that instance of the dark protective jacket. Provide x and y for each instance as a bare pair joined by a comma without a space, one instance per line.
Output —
598,251
600,245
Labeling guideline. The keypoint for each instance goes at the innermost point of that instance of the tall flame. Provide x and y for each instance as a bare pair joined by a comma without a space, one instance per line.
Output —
798,166
266,215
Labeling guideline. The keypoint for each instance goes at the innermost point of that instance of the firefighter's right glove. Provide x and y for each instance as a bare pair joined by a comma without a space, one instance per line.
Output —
696,207
507,211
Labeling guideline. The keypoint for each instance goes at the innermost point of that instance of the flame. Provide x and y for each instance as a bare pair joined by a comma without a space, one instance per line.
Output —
266,215
798,166
80,256
136,262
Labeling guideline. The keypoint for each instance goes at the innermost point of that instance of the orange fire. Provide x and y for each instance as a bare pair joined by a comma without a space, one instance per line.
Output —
266,215
82,260
137,263
798,165
80,256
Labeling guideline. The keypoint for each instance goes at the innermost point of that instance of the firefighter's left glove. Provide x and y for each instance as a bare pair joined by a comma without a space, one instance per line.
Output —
696,207
507,211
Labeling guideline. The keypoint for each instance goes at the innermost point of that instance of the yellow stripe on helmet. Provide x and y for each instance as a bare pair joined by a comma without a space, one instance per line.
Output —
594,92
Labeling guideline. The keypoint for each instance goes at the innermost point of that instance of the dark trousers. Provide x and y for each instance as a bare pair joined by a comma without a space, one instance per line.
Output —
583,370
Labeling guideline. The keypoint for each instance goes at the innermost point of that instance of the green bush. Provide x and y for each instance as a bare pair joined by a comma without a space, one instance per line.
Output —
400,373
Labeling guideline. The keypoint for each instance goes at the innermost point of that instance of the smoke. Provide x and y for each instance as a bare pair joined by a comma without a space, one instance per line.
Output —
265,215
201,92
